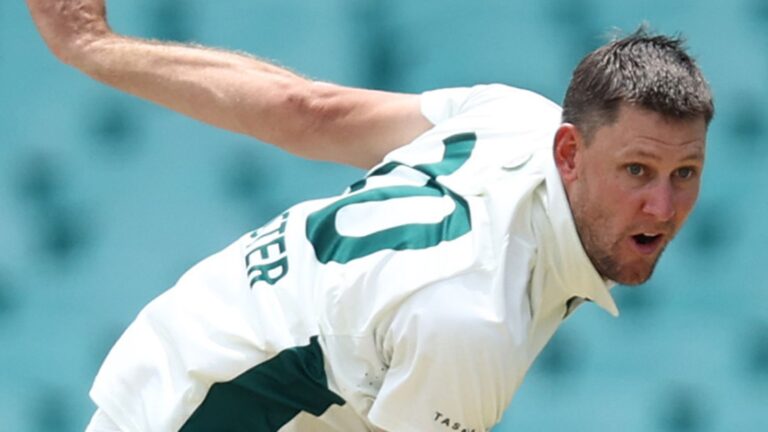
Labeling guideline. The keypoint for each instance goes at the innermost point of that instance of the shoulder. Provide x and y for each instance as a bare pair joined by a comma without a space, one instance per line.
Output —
487,99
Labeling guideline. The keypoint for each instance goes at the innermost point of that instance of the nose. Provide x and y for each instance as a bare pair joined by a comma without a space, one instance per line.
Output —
660,201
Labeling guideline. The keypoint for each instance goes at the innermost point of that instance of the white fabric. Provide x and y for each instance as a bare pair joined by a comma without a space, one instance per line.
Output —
100,422
431,339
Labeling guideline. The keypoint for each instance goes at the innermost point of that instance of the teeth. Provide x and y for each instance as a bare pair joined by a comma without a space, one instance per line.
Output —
650,235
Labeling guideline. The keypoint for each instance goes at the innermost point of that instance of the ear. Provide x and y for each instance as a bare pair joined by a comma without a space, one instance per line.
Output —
568,142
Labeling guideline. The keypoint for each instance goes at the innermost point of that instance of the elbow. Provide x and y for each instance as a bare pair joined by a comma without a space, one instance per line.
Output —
313,120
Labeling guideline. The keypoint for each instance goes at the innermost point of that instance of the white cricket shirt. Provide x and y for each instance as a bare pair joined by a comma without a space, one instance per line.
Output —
416,301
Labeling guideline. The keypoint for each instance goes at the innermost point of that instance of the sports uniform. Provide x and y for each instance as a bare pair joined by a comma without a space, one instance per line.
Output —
415,301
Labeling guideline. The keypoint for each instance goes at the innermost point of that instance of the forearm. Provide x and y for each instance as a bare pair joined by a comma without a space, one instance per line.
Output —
228,90
243,94
231,90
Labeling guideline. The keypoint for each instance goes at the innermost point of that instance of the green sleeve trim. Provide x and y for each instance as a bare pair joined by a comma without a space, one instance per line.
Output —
269,395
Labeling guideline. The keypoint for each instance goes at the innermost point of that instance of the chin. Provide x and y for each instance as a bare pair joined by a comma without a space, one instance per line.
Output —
633,280
634,276
633,272
621,265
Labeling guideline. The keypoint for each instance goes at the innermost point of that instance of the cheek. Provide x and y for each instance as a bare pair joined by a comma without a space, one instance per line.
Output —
610,206
685,201
621,206
619,196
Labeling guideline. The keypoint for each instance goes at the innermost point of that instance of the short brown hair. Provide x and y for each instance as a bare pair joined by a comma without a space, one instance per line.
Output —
650,71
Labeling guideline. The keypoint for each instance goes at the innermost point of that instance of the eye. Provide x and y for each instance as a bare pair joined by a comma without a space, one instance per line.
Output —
686,173
635,170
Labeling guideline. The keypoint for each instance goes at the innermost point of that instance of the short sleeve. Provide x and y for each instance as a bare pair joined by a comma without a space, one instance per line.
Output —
452,367
438,105
490,100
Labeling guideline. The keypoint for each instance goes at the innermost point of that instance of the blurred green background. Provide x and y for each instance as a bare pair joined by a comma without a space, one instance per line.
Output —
105,200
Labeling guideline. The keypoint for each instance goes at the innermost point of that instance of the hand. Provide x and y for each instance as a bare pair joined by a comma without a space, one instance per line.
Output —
68,26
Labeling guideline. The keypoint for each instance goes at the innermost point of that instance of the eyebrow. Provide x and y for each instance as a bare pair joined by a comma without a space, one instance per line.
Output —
695,156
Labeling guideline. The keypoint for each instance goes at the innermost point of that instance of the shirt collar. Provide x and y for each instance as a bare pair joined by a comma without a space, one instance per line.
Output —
572,263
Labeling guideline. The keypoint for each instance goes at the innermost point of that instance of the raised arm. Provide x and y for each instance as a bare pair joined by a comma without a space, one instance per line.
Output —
231,90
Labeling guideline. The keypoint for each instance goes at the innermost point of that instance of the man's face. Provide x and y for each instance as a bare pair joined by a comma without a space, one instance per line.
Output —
631,187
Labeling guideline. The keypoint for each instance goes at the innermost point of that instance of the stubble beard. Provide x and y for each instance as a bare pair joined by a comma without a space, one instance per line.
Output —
604,252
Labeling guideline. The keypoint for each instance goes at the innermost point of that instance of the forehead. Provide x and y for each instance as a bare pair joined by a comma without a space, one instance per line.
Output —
644,133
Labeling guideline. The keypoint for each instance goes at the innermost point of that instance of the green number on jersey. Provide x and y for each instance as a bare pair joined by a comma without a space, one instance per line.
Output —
330,245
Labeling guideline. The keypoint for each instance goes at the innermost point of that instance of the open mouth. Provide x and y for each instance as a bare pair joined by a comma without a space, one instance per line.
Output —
647,242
